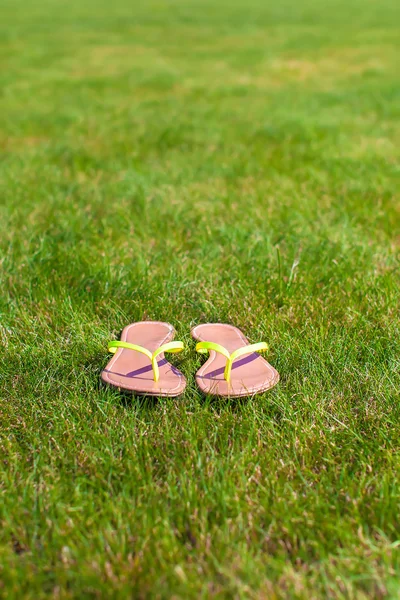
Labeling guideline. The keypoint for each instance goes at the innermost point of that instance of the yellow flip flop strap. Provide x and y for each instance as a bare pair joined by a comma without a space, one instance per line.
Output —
204,347
169,347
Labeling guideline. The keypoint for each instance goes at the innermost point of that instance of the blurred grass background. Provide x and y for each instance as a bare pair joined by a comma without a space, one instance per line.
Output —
200,161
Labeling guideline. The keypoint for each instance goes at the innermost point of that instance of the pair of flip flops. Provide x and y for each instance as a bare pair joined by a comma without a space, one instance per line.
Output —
234,367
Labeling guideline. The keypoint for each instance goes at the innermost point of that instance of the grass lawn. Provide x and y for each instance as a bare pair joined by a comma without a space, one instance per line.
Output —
192,161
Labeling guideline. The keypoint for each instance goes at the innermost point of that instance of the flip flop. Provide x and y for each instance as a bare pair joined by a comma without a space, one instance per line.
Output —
138,364
234,368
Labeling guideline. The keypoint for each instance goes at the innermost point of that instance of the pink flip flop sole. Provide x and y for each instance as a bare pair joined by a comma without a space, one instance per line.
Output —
251,374
132,371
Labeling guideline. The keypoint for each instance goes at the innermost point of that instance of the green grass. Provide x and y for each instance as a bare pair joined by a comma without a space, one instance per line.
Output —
195,161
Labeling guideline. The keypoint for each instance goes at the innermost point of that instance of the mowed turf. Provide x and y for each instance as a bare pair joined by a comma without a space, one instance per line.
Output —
194,161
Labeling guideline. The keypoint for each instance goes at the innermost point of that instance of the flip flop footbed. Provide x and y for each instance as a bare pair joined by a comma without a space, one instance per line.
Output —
250,374
131,370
